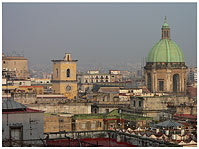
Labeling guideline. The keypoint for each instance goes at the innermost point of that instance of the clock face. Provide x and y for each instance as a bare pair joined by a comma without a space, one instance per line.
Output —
68,88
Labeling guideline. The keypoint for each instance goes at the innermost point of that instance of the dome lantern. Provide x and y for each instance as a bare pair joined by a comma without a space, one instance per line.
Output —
165,30
166,50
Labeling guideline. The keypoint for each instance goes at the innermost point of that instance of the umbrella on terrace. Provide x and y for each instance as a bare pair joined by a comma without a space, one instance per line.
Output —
168,124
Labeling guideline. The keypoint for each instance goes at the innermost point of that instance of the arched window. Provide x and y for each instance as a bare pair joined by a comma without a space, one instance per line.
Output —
68,57
175,82
68,73
149,81
165,33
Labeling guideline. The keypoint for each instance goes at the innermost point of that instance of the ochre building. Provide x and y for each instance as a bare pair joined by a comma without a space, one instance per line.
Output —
64,79
16,64
165,70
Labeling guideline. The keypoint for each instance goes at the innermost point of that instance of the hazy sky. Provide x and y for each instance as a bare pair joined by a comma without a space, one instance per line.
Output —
96,32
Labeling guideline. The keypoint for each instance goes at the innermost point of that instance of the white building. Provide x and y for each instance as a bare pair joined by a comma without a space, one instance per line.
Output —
86,81
21,126
192,74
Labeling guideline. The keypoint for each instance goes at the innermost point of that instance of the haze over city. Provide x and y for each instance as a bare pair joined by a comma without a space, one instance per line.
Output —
99,75
96,33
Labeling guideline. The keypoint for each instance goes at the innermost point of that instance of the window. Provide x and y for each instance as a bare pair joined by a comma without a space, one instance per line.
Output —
100,124
83,125
161,85
4,62
57,72
61,120
68,73
176,83
140,103
93,125
165,33
107,110
16,133
134,103
88,125
149,81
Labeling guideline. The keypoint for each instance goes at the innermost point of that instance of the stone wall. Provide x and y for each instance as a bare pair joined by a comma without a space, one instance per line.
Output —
74,108
89,124
57,123
183,109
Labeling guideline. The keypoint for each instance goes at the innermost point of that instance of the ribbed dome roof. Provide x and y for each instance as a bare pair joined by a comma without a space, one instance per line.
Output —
165,50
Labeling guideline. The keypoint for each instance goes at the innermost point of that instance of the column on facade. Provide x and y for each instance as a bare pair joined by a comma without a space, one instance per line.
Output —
146,79
180,82
152,81
185,80
168,81
155,81
182,78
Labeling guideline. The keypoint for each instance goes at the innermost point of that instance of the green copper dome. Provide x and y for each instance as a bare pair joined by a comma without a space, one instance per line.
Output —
166,50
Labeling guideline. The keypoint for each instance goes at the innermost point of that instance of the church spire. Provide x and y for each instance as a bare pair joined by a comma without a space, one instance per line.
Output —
165,30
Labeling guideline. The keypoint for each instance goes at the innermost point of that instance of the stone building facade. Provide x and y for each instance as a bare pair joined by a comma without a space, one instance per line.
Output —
57,122
87,123
165,70
17,65
64,79
157,106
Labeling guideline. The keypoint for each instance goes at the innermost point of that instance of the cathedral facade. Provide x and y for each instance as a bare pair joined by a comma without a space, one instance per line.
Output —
165,69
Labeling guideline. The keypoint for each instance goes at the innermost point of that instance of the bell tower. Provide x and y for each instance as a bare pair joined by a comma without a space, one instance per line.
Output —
64,79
